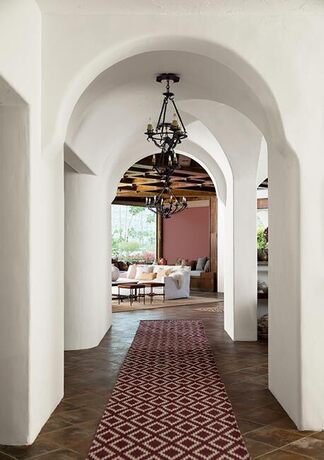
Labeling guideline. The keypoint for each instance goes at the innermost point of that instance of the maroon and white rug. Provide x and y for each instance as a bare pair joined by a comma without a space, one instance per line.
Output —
169,402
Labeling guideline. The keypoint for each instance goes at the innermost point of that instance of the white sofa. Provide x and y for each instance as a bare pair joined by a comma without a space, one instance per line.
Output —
172,290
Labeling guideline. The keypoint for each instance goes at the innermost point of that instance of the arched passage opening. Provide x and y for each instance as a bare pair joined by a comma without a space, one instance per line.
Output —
106,152
141,237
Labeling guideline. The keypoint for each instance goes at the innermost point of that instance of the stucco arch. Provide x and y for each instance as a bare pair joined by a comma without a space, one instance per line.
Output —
249,75
267,118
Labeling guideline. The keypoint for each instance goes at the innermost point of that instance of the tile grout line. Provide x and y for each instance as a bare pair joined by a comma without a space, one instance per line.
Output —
285,447
10,456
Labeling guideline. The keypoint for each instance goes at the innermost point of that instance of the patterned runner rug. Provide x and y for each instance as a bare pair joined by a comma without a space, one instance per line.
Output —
169,402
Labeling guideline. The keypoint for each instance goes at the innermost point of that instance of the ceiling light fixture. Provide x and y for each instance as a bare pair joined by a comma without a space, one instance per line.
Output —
166,135
166,203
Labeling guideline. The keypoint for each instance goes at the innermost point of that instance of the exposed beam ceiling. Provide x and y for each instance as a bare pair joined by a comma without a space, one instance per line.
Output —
141,181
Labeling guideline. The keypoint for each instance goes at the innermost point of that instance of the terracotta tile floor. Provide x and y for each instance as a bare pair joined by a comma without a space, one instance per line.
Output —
90,376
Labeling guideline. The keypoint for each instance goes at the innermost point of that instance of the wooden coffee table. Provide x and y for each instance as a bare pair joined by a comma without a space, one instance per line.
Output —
134,292
152,285
118,296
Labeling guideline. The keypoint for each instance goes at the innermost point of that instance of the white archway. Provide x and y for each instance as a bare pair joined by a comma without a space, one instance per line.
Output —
260,107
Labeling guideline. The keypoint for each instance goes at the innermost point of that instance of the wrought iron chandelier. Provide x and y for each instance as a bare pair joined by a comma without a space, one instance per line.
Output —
166,203
167,134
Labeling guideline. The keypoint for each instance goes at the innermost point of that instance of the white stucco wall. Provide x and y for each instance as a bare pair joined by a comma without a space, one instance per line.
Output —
14,274
243,100
242,152
297,33
289,36
32,292
87,287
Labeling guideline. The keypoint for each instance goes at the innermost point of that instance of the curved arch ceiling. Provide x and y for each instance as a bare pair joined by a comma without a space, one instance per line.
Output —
118,103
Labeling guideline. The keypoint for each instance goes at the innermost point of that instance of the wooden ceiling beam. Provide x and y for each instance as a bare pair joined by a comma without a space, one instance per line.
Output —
184,185
179,192
142,181
192,172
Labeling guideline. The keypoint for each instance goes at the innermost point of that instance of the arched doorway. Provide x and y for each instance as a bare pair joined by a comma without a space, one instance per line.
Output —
142,236
238,94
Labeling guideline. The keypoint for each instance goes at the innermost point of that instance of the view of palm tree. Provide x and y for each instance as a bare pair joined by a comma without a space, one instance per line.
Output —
133,233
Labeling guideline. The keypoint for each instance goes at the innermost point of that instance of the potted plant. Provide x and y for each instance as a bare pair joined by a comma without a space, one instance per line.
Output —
262,244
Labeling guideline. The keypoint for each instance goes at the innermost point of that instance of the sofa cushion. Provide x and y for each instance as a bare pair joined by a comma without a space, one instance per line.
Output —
158,268
140,269
185,263
123,267
147,276
207,266
131,272
201,263
193,264
165,272
114,273
146,268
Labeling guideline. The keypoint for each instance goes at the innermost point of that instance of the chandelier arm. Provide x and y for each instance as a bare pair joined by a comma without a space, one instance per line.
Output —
157,143
179,116
164,128
161,112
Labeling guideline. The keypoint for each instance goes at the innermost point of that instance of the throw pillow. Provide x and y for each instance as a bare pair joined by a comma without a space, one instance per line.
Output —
184,263
139,272
131,272
207,266
148,276
140,269
201,263
122,266
114,273
163,273
149,268
193,264
157,268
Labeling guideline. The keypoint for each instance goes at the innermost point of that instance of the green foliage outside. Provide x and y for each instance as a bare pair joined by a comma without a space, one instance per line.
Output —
261,239
133,234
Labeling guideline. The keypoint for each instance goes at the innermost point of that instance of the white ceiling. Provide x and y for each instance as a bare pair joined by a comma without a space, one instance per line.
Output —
130,85
182,7
109,119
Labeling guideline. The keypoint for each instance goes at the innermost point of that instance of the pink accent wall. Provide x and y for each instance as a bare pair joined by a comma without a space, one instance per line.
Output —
186,235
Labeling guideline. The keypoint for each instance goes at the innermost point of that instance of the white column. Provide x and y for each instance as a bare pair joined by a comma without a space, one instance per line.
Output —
245,259
296,273
312,282
14,275
284,281
220,245
87,287
240,264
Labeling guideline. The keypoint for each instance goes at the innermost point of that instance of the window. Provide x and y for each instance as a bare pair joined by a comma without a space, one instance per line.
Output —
133,234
